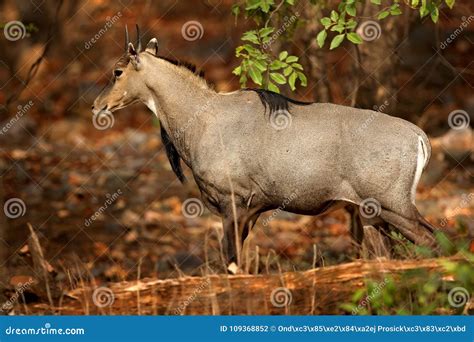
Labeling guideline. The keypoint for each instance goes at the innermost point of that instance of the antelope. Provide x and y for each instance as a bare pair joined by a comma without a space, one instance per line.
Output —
252,150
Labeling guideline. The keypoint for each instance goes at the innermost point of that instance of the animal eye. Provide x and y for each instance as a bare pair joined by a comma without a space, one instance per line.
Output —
117,72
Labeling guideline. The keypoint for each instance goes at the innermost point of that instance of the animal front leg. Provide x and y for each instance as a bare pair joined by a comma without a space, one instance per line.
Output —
229,242
235,232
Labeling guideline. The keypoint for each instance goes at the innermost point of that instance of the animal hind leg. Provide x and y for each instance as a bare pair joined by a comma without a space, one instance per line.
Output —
356,226
372,240
410,228
424,222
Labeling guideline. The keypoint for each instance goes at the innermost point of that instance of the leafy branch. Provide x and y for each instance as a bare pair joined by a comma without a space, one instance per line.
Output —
258,63
271,70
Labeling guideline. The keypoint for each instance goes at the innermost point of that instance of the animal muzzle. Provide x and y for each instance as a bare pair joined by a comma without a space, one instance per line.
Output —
96,110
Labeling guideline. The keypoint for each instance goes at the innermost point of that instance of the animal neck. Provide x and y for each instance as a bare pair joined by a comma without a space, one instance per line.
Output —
183,103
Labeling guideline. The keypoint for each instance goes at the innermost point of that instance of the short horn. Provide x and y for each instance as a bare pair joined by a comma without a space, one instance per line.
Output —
127,40
139,41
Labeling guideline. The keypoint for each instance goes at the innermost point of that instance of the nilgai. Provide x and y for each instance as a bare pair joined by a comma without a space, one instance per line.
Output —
251,151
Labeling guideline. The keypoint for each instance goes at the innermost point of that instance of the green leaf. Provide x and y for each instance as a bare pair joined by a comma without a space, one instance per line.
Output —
288,70
303,79
260,65
351,10
342,18
354,37
243,80
326,22
349,307
292,59
434,14
376,2
297,66
235,9
383,15
415,3
321,38
396,11
237,71
273,87
292,80
423,12
255,75
266,31
276,65
263,5
423,9
450,3
336,41
334,16
351,24
278,78
283,55
250,36
339,28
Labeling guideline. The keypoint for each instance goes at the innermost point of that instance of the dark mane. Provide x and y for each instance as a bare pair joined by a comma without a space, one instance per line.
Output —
274,101
173,155
191,67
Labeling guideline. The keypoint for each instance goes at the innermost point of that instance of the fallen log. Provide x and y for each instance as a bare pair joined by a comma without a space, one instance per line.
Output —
316,291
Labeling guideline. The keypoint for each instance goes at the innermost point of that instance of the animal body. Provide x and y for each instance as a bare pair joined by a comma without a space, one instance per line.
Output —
250,151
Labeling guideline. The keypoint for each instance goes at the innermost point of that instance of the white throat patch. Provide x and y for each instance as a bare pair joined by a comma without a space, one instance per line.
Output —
151,104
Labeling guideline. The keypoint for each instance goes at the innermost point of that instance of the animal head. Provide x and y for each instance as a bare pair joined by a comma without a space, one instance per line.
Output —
127,86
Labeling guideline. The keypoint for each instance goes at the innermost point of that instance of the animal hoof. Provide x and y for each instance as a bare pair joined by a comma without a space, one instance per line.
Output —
233,268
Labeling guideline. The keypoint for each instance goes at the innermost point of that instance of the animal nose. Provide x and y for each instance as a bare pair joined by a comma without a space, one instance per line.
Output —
94,109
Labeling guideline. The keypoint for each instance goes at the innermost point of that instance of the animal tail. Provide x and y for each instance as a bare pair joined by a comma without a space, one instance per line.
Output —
426,147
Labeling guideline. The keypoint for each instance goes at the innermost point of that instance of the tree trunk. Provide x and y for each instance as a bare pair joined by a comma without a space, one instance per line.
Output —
316,291
379,62
314,61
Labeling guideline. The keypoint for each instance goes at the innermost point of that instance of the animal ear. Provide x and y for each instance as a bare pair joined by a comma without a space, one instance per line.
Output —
152,47
131,50
133,56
